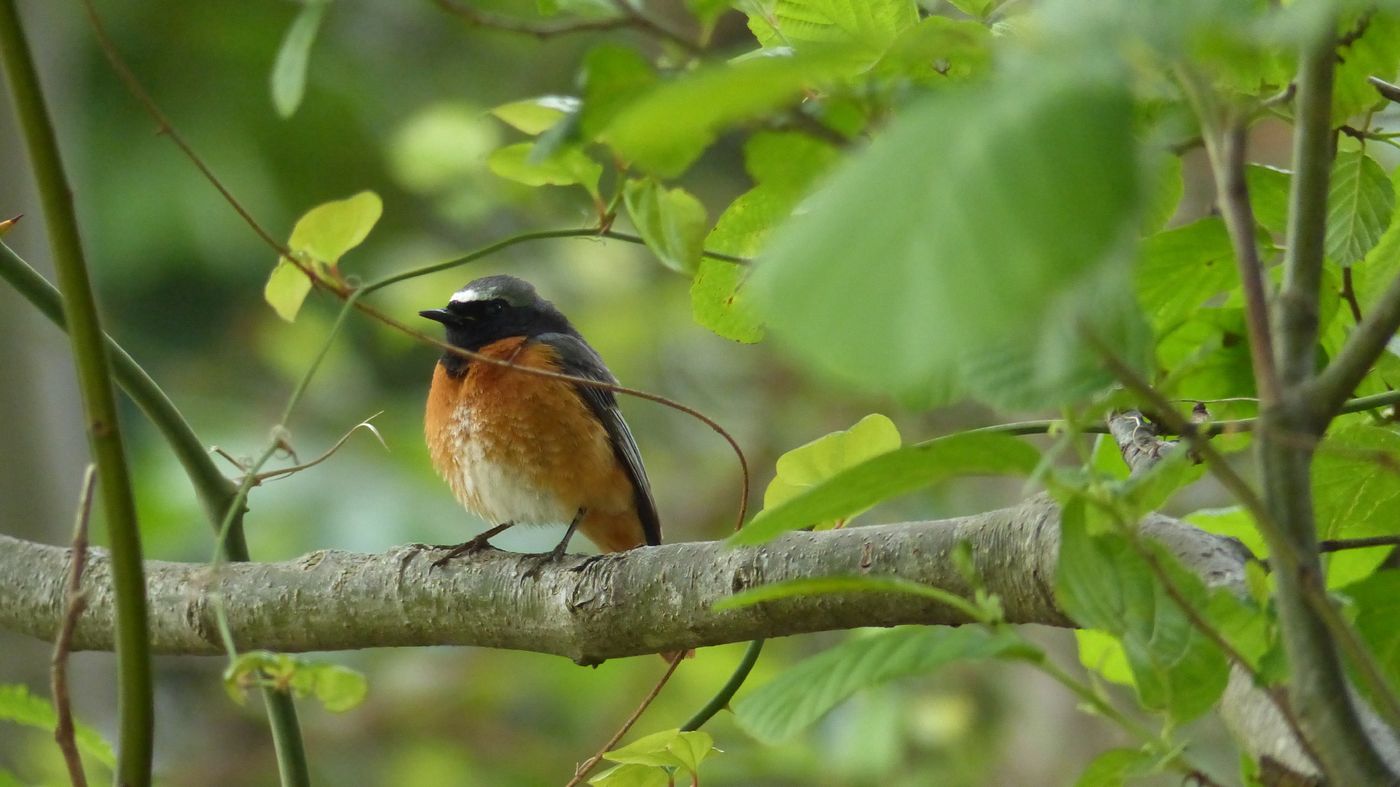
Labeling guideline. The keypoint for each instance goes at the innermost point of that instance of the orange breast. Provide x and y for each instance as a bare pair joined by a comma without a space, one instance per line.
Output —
517,447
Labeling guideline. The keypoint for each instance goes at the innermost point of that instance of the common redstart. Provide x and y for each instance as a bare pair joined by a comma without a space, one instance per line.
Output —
523,449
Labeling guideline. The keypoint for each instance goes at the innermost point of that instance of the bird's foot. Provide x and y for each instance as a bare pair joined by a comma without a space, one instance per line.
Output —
539,561
471,547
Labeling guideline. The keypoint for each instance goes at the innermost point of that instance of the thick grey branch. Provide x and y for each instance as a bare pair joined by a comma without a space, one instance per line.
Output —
589,609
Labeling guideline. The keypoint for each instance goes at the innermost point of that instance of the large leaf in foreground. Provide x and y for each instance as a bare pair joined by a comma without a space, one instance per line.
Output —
936,244
804,693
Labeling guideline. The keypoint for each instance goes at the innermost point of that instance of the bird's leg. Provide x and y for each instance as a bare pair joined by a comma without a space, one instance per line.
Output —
477,544
556,554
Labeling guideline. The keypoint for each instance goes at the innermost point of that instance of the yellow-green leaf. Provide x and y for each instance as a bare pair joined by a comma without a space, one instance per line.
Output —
536,115
671,221
330,229
286,289
809,465
567,167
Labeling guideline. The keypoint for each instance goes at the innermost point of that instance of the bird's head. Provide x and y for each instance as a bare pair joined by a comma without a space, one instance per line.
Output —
493,308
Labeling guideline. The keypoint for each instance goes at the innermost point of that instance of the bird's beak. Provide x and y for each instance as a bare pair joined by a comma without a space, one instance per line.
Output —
437,315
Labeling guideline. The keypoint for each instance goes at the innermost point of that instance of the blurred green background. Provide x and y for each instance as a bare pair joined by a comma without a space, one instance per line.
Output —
396,102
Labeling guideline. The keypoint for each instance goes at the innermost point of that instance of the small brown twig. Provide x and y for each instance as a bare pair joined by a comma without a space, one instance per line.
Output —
77,602
1349,294
1339,544
588,765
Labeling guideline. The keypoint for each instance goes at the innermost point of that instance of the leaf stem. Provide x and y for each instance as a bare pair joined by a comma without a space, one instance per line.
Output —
726,693
134,693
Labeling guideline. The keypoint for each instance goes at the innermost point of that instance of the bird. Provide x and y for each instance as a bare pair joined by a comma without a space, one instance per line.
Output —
524,449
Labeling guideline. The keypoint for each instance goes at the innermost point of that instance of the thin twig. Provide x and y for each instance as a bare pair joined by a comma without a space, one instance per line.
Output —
1339,544
588,765
1349,294
1389,91
76,603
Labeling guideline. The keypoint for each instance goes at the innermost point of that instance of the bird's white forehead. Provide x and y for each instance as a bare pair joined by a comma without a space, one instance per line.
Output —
470,294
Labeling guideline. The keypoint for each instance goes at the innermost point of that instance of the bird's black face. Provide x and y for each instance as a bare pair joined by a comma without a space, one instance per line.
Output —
490,309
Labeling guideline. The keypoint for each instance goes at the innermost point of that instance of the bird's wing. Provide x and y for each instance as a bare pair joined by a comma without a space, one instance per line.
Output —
578,359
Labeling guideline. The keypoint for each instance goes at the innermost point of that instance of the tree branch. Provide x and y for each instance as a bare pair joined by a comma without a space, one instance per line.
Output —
1326,393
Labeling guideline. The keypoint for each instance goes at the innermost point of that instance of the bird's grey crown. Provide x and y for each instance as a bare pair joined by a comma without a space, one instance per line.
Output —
513,291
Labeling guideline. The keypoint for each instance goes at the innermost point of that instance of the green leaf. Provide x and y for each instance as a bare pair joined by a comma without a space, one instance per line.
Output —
977,8
1233,522
1359,203
1180,269
666,749
851,584
865,29
1377,602
889,475
667,127
289,69
338,688
612,78
1103,653
631,775
1355,496
918,257
1104,583
1115,767
19,706
534,116
569,166
936,51
671,221
286,289
1268,195
330,229
1165,195
808,465
802,694
784,167
1375,52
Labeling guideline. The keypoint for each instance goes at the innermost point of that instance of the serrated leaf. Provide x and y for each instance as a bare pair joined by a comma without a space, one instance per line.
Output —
338,688
808,465
330,229
1104,583
937,51
566,167
286,289
536,115
1359,204
289,69
612,78
916,257
783,167
1115,767
1180,269
671,221
17,705
864,28
631,775
1376,52
890,475
804,693
1356,496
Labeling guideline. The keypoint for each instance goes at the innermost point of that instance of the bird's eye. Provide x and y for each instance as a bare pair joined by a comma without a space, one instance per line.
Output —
493,308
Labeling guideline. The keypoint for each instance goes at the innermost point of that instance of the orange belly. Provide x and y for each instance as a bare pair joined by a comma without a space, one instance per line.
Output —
517,447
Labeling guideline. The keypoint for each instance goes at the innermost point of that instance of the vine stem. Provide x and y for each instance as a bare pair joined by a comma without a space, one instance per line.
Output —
592,762
134,689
